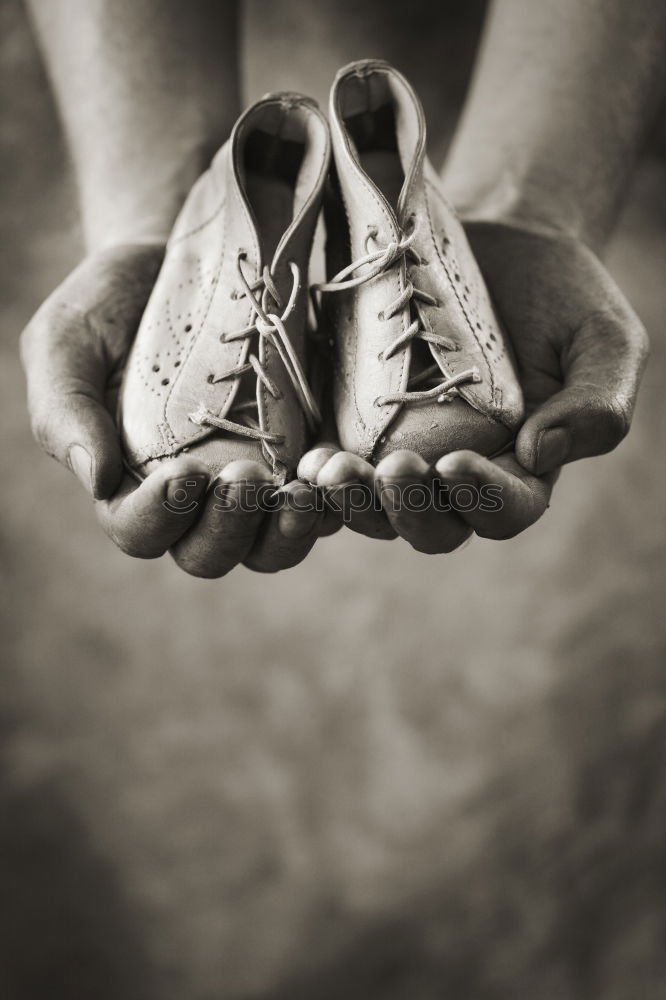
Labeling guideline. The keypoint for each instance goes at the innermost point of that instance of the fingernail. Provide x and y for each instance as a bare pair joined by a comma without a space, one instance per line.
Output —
183,494
80,462
553,447
297,517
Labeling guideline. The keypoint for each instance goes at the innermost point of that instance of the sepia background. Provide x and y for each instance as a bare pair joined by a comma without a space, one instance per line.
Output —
380,776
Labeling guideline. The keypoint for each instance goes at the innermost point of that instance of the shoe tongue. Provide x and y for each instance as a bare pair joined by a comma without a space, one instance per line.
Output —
272,202
385,127
379,98
280,152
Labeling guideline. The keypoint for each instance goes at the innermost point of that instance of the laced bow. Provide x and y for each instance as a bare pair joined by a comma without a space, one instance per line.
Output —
379,262
264,320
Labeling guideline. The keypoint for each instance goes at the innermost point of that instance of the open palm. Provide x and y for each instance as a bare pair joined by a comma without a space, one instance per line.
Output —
580,350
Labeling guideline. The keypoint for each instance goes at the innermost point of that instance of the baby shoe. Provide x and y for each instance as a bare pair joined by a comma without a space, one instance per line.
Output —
421,359
219,364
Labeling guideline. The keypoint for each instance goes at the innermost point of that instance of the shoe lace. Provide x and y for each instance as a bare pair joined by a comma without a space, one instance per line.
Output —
265,322
428,384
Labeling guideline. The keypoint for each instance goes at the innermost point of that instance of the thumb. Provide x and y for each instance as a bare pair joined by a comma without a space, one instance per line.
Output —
85,439
66,371
593,412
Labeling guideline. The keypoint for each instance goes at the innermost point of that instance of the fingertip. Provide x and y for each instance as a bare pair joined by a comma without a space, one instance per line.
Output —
299,513
245,470
145,520
402,464
552,449
80,462
344,469
459,464
107,475
181,467
542,449
526,448
183,492
314,461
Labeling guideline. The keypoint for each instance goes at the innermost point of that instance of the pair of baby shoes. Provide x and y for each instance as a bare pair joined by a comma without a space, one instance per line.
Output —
222,364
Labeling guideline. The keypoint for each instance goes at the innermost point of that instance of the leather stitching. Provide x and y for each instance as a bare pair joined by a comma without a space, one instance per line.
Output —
452,283
355,324
379,427
196,335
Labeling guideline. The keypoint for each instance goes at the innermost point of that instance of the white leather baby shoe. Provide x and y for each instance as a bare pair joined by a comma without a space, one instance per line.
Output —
421,358
219,364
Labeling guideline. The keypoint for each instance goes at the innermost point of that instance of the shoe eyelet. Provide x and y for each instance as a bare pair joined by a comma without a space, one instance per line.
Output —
380,316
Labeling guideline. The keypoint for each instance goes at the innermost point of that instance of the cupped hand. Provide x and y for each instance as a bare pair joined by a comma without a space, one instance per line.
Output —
580,350
73,353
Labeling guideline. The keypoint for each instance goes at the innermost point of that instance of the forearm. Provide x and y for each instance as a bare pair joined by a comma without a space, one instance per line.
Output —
147,90
562,95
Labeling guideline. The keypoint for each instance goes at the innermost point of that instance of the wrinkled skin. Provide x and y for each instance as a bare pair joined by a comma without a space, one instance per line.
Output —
73,352
581,351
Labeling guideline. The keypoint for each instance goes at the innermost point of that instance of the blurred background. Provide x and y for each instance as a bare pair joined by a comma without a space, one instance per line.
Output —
384,775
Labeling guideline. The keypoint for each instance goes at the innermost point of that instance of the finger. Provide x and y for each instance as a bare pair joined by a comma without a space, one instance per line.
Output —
314,461
405,486
229,523
301,511
498,498
68,351
145,520
287,535
66,403
348,483
593,412
309,468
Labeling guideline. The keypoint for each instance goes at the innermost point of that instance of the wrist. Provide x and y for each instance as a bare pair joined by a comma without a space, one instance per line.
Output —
135,201
532,202
529,194
102,234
